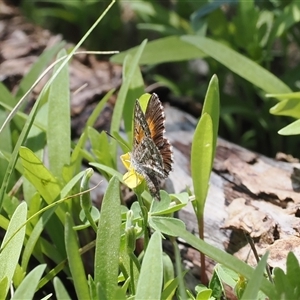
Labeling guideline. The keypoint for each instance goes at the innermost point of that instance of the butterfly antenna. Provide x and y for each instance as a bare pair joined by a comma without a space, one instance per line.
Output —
118,140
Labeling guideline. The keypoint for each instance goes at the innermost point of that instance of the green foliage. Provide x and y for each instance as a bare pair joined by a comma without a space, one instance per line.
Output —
52,223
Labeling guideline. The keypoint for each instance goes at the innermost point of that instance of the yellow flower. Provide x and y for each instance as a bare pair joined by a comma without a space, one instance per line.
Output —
131,178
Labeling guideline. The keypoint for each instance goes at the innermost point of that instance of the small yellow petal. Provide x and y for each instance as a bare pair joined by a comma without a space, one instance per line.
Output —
132,179
125,158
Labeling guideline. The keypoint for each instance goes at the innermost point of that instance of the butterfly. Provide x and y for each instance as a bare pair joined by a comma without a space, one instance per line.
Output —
151,158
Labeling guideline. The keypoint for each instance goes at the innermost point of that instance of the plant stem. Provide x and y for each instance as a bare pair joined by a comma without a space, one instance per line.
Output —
203,276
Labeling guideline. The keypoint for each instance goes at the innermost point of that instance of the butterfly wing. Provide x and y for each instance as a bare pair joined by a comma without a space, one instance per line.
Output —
155,118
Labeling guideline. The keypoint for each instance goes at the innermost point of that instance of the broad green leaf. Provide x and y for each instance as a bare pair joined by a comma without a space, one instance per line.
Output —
39,175
292,271
288,107
163,224
168,49
107,253
75,260
151,277
27,288
205,294
201,160
12,244
59,124
211,106
4,285
239,64
61,292
228,276
254,283
291,129
128,74
282,284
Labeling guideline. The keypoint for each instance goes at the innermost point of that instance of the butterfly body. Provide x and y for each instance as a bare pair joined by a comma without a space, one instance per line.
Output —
151,156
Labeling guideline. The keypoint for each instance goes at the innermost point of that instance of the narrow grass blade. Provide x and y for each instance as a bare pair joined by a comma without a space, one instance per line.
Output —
75,261
108,240
151,277
239,64
170,49
252,288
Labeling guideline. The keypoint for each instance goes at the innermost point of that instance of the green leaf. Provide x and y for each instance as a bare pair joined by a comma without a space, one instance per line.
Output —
108,240
168,49
119,106
150,281
60,291
222,257
76,154
287,18
168,268
228,276
136,89
39,175
239,64
28,286
254,283
204,294
291,129
292,269
282,284
108,170
201,160
75,260
216,286
100,147
59,126
163,224
36,106
211,106
287,107
12,244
